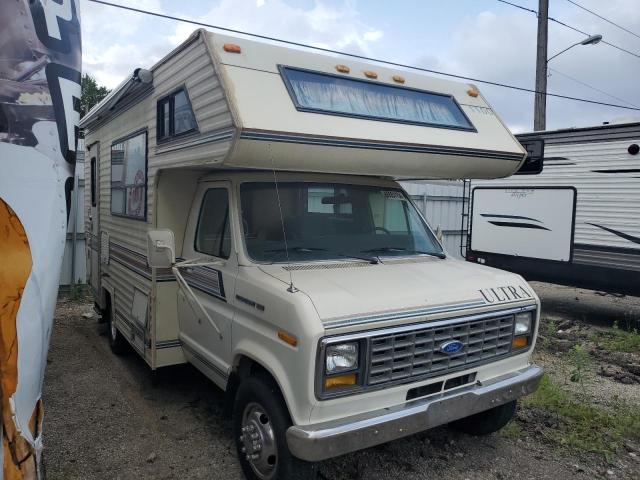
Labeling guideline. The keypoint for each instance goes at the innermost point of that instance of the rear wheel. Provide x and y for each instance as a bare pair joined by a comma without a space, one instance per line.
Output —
486,422
117,342
260,422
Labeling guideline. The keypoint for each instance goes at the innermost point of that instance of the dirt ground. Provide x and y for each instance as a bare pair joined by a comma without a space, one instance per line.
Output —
106,419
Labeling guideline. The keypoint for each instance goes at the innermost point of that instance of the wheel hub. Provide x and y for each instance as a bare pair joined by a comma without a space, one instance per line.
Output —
258,442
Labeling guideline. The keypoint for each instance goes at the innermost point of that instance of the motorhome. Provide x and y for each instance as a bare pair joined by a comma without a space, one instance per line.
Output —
576,223
244,216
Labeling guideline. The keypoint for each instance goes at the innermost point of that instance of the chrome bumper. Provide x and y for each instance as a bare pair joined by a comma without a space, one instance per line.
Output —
337,437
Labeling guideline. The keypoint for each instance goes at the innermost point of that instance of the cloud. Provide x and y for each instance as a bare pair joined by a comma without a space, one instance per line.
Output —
502,47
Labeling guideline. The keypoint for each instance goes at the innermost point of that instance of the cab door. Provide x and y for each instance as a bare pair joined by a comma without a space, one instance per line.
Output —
206,339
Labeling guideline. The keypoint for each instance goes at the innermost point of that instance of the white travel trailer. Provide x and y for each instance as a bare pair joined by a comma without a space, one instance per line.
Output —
244,217
576,223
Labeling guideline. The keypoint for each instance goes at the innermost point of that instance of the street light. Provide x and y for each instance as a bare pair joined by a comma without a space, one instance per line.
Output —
592,40
540,108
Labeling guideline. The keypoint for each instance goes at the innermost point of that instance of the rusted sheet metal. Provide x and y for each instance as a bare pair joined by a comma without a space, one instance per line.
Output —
40,62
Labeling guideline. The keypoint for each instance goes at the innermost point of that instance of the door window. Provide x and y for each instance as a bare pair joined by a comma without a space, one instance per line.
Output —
212,235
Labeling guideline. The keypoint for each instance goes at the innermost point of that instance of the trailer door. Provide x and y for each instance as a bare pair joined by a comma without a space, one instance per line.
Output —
93,252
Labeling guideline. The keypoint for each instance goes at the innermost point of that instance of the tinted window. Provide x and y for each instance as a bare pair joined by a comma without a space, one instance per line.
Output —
129,177
213,236
312,91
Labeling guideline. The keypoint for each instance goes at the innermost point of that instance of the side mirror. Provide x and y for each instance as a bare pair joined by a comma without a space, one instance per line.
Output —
534,162
161,248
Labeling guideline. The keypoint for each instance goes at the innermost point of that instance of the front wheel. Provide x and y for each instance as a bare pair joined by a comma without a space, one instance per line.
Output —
260,423
487,422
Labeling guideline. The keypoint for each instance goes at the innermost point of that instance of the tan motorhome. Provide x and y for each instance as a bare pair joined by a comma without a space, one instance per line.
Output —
244,216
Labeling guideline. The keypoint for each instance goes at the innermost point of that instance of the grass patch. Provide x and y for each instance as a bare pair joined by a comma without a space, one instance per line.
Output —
512,430
581,426
618,340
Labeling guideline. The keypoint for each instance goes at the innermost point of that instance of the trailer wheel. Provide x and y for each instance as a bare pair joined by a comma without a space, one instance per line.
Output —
117,342
260,422
487,422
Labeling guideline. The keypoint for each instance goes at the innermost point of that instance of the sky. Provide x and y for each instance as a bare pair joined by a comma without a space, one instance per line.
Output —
483,39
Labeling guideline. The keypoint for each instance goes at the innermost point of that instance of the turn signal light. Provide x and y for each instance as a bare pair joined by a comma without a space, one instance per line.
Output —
370,74
232,48
286,337
519,342
343,68
340,381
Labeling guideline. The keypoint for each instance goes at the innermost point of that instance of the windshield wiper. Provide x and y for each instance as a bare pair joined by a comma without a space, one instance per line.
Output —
373,260
404,250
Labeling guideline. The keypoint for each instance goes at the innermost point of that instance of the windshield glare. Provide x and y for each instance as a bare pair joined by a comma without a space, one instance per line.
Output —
331,220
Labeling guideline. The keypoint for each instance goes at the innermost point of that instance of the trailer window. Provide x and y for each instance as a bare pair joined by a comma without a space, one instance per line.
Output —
212,235
129,177
337,95
175,116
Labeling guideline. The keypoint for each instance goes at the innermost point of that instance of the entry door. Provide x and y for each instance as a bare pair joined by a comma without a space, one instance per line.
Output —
93,252
207,341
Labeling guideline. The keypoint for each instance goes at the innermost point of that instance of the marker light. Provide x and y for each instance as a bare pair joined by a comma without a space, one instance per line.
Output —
343,68
370,74
286,337
398,78
473,92
232,48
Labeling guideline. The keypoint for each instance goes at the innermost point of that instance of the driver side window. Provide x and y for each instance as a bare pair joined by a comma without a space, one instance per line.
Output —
212,235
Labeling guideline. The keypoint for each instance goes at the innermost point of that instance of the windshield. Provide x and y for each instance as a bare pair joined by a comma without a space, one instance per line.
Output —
331,220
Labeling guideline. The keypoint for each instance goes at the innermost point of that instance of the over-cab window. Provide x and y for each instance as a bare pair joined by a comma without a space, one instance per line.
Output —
338,95
129,177
175,116
212,235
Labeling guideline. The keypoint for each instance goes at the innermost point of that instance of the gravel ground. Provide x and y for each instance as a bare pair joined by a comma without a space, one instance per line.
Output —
106,419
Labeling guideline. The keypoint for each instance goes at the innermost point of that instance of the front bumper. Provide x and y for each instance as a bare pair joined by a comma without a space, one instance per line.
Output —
330,439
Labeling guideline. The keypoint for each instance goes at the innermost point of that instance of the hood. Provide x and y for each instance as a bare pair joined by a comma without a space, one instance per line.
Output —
347,293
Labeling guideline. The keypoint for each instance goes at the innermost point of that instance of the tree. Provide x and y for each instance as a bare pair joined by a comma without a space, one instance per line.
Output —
92,93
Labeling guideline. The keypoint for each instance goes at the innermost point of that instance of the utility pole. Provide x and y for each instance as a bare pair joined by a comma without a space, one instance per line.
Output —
540,107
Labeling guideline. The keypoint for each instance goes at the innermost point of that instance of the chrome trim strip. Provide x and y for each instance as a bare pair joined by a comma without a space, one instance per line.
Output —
453,307
432,324
330,439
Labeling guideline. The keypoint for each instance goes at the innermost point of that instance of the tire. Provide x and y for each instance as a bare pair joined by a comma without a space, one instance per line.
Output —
117,342
259,411
487,422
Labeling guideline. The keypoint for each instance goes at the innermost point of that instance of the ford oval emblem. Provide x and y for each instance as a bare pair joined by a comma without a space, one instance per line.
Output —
451,347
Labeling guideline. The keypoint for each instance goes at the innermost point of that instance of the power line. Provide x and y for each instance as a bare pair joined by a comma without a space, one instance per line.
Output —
591,86
559,22
603,18
361,57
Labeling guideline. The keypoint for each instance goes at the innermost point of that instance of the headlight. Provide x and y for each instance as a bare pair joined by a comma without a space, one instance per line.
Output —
523,323
341,358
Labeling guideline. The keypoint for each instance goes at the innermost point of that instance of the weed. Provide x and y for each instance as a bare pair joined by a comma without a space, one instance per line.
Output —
579,360
618,340
582,426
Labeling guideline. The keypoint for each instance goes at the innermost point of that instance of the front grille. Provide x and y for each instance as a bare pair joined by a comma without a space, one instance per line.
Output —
416,353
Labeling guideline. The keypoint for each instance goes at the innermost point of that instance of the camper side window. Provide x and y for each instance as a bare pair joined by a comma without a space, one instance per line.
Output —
175,116
129,177
212,235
